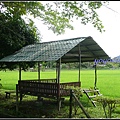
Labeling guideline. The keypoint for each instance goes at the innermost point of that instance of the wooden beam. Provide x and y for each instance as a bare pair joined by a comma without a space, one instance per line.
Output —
88,45
67,60
95,50
19,71
77,55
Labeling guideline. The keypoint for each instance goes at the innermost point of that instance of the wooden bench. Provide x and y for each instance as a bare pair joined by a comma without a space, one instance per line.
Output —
8,93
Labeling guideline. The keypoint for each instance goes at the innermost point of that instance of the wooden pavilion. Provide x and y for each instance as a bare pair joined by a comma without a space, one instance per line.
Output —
81,49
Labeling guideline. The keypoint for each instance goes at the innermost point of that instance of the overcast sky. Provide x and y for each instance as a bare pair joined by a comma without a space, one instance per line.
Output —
109,40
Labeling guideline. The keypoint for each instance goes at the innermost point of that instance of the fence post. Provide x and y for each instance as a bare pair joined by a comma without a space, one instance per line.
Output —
17,99
70,111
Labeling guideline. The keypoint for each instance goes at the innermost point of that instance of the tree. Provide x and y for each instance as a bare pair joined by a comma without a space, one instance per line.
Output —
16,33
58,15
61,14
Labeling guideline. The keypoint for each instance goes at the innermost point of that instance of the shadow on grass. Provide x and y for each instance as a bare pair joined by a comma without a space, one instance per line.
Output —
31,108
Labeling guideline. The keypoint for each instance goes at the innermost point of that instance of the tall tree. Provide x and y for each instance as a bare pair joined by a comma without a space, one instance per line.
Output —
15,33
57,15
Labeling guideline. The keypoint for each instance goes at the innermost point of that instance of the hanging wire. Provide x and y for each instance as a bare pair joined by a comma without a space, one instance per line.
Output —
111,9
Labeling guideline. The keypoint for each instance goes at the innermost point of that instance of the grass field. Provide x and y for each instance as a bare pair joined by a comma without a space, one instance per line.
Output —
108,81
108,84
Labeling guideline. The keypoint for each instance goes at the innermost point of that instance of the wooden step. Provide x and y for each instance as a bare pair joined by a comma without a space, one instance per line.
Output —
90,91
93,96
94,101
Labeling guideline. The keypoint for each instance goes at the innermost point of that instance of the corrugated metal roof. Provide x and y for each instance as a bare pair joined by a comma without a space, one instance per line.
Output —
66,49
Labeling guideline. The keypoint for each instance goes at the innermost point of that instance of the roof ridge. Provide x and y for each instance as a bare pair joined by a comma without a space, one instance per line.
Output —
64,39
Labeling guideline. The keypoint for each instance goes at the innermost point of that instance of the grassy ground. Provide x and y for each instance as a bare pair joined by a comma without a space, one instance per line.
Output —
108,84
107,80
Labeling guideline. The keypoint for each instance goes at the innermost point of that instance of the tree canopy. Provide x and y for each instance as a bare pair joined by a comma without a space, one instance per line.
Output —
17,32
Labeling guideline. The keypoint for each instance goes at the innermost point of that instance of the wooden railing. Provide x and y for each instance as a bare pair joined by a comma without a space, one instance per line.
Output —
52,80
44,87
37,88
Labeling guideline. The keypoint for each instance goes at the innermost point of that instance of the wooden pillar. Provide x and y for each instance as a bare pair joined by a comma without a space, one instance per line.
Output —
16,98
39,66
20,77
79,52
71,99
58,82
59,64
20,72
57,71
95,77
39,70
17,88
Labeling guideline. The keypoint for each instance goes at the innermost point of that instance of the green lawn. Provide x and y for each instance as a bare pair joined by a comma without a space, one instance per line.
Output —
108,81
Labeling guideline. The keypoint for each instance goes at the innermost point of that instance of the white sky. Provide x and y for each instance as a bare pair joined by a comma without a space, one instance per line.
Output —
109,40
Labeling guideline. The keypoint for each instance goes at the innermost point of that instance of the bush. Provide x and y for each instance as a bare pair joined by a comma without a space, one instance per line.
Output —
108,105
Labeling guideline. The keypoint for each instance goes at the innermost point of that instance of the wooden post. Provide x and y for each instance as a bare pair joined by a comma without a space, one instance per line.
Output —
19,72
79,52
16,98
39,70
39,66
17,88
59,101
95,76
20,76
70,111
57,72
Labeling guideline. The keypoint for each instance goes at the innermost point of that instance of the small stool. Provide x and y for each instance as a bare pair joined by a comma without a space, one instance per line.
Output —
7,95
